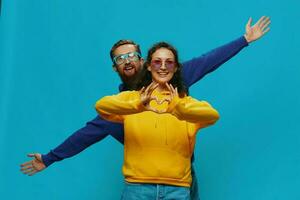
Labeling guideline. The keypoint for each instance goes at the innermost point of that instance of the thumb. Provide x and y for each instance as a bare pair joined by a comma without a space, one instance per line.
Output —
38,156
248,25
31,155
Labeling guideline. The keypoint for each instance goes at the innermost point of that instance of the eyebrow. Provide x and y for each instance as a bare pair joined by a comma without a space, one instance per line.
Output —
173,59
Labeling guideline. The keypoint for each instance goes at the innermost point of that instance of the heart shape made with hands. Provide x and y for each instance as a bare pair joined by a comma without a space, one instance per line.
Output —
161,101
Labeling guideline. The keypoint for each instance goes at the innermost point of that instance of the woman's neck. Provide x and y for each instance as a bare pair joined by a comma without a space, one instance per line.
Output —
162,88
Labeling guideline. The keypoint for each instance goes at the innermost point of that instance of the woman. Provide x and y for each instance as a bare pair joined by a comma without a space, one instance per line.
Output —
160,123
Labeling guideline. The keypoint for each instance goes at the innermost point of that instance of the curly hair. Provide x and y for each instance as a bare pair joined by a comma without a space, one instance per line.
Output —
145,77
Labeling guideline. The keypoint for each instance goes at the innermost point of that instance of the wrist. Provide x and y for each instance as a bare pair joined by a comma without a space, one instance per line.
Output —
247,38
173,104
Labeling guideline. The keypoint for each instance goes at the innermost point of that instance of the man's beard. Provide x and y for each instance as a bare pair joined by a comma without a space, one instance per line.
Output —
130,82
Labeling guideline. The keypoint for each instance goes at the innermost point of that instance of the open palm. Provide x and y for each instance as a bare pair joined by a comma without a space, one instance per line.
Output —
260,28
33,166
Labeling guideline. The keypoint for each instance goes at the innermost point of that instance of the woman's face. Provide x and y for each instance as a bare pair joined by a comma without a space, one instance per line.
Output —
162,66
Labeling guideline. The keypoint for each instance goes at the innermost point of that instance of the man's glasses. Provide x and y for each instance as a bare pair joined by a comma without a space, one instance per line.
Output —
132,56
169,64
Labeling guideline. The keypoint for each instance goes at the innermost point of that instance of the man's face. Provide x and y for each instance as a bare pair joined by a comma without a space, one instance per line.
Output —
130,67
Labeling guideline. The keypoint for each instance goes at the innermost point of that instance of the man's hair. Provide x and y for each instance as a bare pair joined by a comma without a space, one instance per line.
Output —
123,42
145,77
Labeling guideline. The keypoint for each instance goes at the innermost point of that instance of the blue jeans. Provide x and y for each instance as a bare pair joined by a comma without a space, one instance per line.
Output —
194,186
142,191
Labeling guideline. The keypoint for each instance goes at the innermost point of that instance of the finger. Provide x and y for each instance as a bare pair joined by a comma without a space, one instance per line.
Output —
154,98
147,88
265,25
152,88
266,20
260,20
154,110
142,90
248,25
162,111
176,91
149,108
173,91
32,173
170,89
26,167
28,171
162,101
26,163
154,85
266,30
167,100
157,111
31,154
168,86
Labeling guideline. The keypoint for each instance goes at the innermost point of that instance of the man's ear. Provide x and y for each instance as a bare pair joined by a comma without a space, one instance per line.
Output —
149,68
115,68
142,61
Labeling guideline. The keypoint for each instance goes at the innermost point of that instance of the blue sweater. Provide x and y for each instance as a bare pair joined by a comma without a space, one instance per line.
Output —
98,128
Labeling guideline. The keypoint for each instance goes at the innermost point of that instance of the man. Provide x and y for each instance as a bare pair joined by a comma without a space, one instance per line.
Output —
127,62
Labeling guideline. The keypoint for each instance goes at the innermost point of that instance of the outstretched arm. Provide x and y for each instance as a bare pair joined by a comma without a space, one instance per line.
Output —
94,131
197,68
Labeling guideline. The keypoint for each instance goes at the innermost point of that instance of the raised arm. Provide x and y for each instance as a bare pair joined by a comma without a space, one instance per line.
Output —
197,68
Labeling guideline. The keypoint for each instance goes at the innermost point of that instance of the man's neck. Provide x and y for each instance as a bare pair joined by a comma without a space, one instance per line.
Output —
130,82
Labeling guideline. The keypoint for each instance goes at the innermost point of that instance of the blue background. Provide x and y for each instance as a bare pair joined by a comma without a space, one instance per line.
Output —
54,65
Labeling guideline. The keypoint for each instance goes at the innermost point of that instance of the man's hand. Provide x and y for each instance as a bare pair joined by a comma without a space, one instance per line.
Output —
257,30
35,165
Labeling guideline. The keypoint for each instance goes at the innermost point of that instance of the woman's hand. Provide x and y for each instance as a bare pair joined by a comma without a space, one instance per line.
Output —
146,96
173,92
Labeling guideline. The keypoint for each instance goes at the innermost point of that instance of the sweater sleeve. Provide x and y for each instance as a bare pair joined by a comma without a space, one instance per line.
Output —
194,111
115,107
94,131
195,69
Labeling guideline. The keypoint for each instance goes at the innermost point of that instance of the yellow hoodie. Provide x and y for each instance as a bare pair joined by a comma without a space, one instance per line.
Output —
157,147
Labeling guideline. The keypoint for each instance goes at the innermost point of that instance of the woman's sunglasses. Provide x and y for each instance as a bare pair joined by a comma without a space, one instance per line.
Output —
157,64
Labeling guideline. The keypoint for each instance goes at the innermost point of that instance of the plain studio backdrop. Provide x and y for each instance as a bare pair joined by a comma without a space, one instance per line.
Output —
54,65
